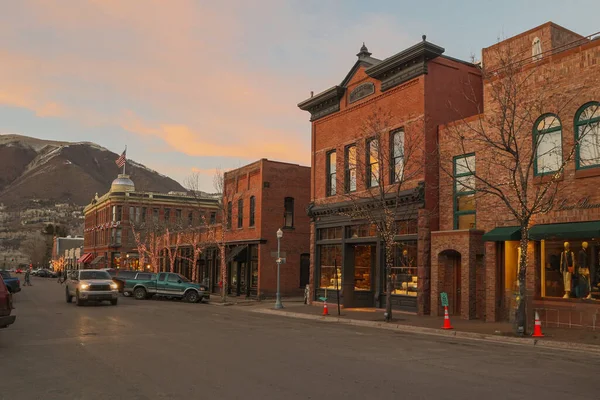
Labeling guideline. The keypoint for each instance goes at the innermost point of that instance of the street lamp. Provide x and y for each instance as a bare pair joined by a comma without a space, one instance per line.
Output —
278,305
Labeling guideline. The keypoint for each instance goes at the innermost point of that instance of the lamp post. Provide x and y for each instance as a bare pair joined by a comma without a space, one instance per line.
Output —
278,304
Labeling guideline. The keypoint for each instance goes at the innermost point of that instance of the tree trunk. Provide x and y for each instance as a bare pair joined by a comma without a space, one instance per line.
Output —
521,314
389,262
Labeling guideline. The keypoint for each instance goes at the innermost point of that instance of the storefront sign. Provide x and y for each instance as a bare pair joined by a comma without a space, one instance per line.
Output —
583,204
444,298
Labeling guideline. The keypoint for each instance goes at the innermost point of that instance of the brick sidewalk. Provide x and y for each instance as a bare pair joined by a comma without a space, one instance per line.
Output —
498,331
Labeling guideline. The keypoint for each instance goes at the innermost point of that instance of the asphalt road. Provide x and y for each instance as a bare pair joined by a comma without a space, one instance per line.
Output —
172,350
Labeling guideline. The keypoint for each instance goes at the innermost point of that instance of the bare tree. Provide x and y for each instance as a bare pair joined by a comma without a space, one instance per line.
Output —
516,172
36,248
392,166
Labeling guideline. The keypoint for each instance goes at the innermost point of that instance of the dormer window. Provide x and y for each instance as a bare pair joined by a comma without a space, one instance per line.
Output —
536,49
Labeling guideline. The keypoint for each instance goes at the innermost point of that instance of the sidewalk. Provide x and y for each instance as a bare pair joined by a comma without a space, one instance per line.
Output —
575,339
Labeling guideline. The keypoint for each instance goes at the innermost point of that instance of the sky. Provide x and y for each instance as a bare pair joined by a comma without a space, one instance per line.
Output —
190,86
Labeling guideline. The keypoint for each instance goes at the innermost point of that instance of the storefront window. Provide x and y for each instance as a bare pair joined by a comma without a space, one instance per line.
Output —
330,268
356,231
404,271
570,268
330,233
116,260
363,260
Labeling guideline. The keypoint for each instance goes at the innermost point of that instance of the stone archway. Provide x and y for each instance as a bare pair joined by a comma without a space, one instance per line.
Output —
450,278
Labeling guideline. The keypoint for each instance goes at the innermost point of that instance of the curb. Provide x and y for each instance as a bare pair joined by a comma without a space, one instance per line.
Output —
548,344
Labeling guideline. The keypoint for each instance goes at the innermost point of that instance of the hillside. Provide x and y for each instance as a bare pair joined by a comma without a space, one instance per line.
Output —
62,172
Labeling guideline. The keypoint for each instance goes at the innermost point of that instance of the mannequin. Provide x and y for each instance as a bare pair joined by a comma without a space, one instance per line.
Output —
584,269
567,268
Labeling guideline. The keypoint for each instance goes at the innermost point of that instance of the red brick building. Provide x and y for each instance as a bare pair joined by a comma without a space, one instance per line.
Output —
108,238
475,251
259,199
415,87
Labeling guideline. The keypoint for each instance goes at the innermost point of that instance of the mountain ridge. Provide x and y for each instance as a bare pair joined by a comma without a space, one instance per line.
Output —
65,172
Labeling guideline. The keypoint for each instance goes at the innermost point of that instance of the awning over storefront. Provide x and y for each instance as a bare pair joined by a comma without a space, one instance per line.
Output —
503,234
234,252
571,230
97,260
85,258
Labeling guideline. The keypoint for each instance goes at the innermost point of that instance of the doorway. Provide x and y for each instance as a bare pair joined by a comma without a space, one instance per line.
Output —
449,264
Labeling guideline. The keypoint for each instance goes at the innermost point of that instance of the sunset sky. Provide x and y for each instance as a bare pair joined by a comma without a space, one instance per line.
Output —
198,85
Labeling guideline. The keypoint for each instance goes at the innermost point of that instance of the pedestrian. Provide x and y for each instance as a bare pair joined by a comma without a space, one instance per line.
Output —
27,277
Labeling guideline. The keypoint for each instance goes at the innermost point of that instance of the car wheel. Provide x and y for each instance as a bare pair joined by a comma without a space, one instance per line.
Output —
114,302
192,296
69,297
79,301
140,293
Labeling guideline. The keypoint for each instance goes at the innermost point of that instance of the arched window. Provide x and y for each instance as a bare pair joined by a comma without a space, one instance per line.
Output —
536,49
547,142
587,135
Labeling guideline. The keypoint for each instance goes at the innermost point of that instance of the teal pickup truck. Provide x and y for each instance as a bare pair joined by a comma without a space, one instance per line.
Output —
166,284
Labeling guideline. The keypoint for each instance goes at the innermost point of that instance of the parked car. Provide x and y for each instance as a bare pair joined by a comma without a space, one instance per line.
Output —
166,284
6,306
91,285
45,273
19,271
12,283
119,277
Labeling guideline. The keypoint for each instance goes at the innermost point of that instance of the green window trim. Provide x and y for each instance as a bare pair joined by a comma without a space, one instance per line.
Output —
576,125
535,134
455,195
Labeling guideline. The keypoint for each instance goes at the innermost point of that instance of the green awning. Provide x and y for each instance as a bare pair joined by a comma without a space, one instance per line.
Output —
503,234
571,230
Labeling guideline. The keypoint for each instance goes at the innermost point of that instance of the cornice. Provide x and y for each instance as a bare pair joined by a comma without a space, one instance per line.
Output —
324,103
405,65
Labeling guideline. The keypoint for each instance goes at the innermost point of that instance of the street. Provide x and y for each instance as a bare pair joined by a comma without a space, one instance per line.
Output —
173,350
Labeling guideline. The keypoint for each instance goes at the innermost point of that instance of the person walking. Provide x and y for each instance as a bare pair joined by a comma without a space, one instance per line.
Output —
27,277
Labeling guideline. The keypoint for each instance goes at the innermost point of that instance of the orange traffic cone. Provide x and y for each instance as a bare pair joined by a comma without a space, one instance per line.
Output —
325,310
446,319
537,329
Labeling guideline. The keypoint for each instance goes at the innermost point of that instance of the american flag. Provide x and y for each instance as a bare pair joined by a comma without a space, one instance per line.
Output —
121,160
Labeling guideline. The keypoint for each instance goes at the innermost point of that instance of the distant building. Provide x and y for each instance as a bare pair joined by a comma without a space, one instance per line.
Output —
67,247
108,238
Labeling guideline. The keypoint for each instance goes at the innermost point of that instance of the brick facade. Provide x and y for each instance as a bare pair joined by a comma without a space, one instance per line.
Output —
414,87
101,226
270,183
566,77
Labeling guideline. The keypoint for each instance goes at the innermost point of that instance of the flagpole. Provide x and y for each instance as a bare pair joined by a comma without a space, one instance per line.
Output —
125,161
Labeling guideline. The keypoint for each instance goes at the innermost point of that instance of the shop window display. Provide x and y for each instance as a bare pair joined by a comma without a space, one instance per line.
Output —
330,268
363,261
570,269
404,271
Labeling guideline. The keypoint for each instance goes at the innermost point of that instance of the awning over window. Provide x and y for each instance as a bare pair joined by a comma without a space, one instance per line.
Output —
571,230
234,252
97,260
85,258
503,234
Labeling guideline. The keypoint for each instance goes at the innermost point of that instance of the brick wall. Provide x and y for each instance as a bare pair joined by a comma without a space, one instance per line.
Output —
270,182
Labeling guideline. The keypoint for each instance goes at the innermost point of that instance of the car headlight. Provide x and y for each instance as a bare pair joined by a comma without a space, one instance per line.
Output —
114,286
84,286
